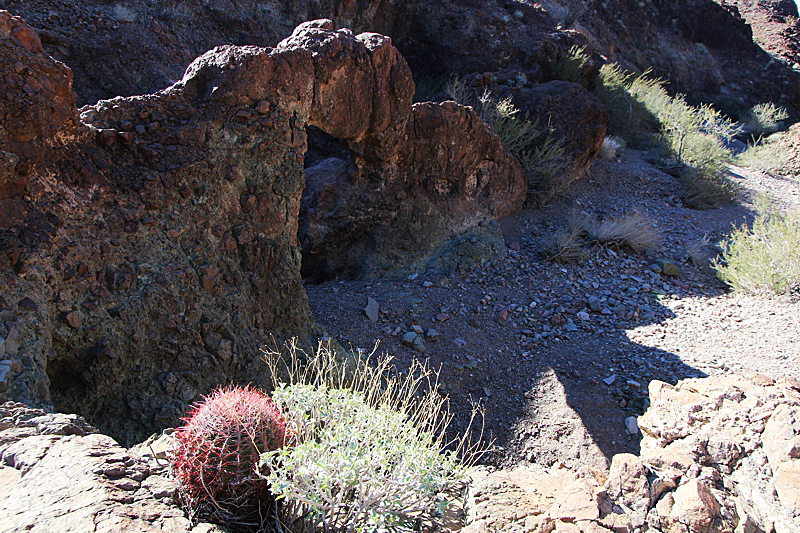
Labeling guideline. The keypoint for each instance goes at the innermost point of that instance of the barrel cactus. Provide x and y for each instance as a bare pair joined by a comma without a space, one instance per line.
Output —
216,454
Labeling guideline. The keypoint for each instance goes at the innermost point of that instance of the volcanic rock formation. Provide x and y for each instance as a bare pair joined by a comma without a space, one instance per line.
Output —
150,246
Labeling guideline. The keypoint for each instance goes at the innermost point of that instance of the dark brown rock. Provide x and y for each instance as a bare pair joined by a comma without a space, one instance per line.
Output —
201,215
363,218
566,113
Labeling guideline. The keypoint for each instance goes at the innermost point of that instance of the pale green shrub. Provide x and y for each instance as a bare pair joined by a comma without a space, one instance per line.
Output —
765,118
640,108
764,258
370,450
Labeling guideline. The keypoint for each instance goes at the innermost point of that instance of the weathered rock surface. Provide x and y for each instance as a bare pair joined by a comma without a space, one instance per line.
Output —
58,474
718,454
563,112
152,248
138,47
367,217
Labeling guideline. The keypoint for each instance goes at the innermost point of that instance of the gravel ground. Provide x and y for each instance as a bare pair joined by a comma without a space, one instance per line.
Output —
559,355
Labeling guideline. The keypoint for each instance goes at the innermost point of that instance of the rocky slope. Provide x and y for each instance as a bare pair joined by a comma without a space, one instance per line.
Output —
718,454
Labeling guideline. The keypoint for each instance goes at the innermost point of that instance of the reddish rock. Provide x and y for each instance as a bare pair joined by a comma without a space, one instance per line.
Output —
563,112
197,213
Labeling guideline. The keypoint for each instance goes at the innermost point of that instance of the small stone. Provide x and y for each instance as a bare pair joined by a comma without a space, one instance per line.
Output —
5,366
372,308
610,379
73,319
474,323
432,334
515,246
28,304
414,341
631,426
459,342
570,326
262,107
427,284
441,317
583,315
416,328
594,306
502,315
13,341
668,268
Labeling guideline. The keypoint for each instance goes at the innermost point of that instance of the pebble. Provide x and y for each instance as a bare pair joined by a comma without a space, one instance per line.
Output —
432,334
371,310
73,319
610,379
631,426
458,341
413,340
583,315
441,317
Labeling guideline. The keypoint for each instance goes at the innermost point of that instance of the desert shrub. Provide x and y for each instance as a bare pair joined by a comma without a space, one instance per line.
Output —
573,65
371,449
217,453
765,257
573,10
640,106
769,154
538,148
764,119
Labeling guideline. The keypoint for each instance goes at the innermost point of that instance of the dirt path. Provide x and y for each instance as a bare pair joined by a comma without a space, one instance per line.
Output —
561,354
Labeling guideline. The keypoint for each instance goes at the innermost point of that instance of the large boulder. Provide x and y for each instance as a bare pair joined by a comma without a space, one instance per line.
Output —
59,474
153,248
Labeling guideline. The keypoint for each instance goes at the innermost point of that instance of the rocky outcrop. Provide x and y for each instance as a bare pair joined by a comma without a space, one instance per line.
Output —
368,218
152,246
565,114
59,474
718,454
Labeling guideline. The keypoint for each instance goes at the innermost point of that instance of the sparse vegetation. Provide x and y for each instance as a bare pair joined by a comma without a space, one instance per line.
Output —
371,449
764,119
767,154
766,257
641,111
539,150
573,65
633,232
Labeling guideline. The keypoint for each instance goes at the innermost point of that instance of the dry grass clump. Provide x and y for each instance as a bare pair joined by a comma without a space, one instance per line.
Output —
610,148
633,232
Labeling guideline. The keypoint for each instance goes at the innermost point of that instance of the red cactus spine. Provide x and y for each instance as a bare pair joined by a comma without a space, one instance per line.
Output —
216,454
